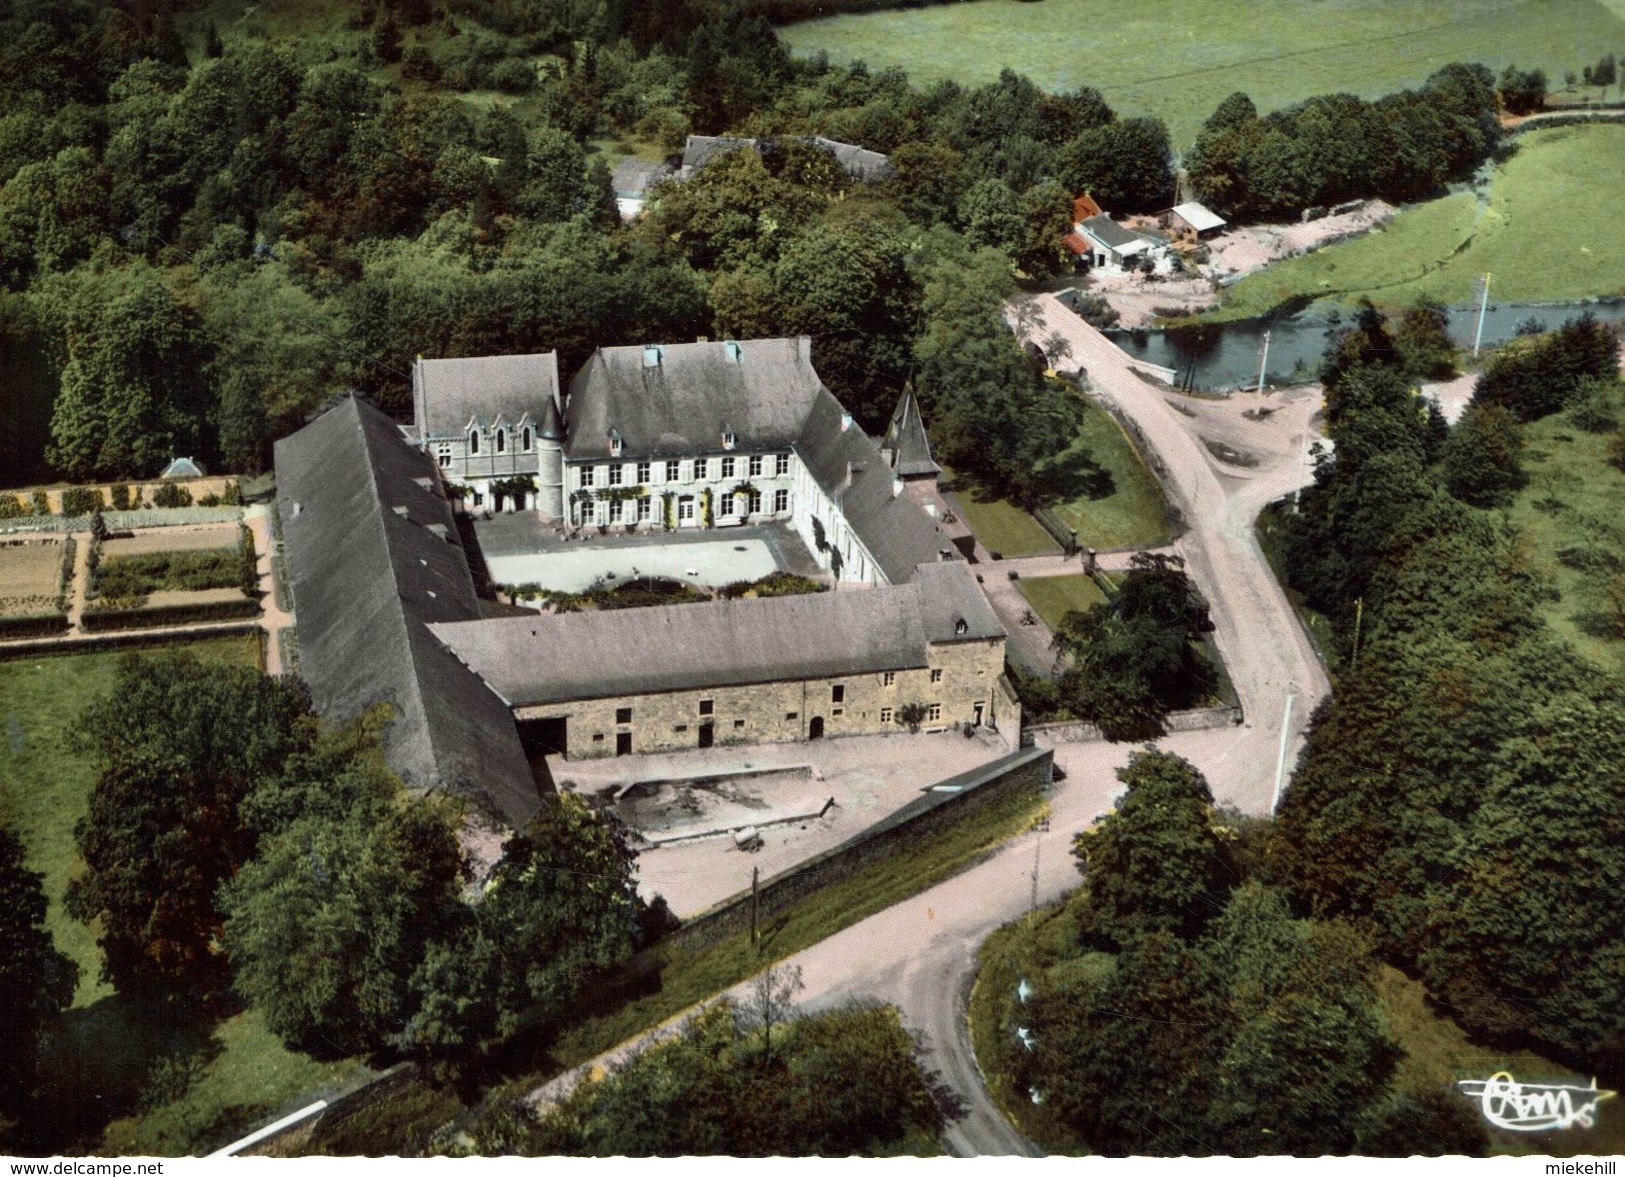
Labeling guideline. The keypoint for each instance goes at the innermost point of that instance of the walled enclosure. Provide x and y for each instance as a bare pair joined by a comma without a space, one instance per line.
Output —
944,804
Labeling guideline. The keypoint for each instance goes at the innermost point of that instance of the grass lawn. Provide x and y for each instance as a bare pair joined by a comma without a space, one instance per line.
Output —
1179,60
1550,230
1118,503
1101,488
1004,527
1572,515
101,1052
1053,597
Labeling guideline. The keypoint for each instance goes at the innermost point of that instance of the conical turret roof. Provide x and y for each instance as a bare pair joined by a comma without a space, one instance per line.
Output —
905,438
552,424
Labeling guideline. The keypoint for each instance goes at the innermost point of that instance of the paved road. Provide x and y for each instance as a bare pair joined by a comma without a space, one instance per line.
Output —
920,954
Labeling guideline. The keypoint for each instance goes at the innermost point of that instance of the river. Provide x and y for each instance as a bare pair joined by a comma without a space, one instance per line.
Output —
1225,356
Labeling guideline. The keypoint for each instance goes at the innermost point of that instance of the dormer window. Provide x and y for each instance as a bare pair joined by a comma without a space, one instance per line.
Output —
524,439
614,443
652,356
502,441
961,626
473,441
735,352
729,438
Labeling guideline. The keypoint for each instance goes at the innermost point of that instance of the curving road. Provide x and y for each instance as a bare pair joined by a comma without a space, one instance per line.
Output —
920,954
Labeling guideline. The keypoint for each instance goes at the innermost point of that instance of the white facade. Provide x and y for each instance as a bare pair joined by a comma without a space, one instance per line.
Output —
715,490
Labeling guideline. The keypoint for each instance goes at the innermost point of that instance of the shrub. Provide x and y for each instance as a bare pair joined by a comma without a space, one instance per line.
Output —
102,620
81,500
249,574
170,494
232,496
125,577
42,503
119,493
12,507
34,625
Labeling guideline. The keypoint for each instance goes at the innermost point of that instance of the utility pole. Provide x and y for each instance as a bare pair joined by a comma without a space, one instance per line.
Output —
1280,760
1037,846
1483,305
1264,362
755,876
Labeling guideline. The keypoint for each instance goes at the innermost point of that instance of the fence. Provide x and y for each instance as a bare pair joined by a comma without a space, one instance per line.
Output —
125,520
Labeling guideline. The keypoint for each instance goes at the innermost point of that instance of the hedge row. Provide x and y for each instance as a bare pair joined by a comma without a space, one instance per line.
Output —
33,625
102,620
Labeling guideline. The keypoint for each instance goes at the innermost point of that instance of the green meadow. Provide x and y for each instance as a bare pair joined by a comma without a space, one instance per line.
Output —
1549,229
1178,58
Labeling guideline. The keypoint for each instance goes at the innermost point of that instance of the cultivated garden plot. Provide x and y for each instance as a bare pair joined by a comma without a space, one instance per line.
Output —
30,578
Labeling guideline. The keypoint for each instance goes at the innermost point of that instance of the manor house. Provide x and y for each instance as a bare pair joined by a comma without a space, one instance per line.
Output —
714,433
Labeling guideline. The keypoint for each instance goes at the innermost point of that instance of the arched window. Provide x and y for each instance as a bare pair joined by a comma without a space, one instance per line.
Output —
502,441
473,441
524,439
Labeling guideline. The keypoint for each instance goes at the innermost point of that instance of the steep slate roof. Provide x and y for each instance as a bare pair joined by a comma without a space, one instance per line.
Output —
373,558
556,658
447,394
860,163
848,465
1198,216
905,438
950,595
633,177
682,404
1109,233
702,149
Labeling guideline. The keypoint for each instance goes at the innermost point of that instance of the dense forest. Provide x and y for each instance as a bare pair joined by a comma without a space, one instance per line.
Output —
1462,796
206,233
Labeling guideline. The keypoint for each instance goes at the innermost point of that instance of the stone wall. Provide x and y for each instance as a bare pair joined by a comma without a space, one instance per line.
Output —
785,712
1048,735
941,806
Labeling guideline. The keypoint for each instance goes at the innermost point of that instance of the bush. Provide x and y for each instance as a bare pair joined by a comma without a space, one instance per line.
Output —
418,64
13,507
232,496
119,493
170,494
34,625
130,577
42,503
78,501
103,620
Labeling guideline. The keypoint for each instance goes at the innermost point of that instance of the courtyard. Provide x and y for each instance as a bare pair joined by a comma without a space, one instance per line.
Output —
689,809
520,549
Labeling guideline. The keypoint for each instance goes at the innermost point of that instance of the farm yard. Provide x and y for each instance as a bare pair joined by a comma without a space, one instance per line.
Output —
1179,61
1549,229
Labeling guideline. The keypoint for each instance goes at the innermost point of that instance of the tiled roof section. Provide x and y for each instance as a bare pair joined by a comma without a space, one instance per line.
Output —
372,558
849,467
950,597
448,394
1077,243
634,177
1108,232
906,440
677,398
860,163
558,658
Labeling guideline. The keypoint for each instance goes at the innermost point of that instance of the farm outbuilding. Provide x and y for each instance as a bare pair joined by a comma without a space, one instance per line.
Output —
1195,218
1110,244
